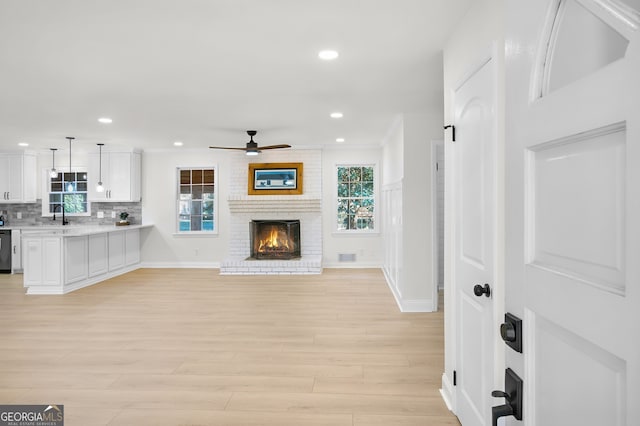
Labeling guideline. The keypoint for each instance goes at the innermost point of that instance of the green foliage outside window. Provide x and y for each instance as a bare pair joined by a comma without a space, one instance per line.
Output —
356,200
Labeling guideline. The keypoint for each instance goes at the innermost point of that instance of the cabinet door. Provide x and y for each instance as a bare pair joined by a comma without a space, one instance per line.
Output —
98,254
132,246
75,259
119,176
10,178
16,251
15,178
116,250
52,261
94,177
33,258
5,174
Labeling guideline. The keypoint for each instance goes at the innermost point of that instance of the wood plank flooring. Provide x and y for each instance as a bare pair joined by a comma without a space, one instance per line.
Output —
192,347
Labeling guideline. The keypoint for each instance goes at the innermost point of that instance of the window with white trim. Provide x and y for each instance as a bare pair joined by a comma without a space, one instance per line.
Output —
356,197
67,190
196,200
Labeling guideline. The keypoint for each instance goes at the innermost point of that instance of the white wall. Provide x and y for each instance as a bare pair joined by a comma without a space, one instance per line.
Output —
477,33
163,248
367,247
409,265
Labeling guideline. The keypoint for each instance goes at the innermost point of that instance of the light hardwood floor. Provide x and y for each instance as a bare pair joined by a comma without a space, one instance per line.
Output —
192,347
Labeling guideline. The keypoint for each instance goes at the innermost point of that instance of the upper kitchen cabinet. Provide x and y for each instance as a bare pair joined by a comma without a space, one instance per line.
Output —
18,178
120,177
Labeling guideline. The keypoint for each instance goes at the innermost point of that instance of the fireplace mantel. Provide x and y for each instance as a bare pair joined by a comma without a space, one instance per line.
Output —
274,203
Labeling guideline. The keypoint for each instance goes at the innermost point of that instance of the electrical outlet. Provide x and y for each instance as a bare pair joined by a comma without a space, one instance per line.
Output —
19,215
113,214
100,215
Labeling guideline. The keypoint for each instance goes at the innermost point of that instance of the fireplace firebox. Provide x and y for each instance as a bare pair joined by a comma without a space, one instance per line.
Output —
275,239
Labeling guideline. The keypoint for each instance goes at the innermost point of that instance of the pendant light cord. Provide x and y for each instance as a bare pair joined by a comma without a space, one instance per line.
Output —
70,139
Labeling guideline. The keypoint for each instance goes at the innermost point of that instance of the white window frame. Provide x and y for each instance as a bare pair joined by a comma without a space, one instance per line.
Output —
46,186
376,198
216,216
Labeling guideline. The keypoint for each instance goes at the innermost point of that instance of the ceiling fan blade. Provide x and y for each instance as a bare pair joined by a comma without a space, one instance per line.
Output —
226,147
274,146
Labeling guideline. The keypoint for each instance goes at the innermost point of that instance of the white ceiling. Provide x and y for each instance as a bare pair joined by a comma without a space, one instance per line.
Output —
205,71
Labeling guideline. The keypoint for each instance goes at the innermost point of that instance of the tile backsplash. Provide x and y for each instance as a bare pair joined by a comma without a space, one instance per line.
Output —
32,214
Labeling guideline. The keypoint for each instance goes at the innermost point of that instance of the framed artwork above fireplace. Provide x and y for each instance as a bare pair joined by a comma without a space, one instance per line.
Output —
275,179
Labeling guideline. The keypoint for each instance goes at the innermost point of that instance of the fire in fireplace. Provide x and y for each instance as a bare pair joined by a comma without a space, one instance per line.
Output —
275,239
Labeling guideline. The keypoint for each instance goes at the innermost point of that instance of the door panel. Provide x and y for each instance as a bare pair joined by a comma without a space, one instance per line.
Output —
474,188
573,233
577,209
558,354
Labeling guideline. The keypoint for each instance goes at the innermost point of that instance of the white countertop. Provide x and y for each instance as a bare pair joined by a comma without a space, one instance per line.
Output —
72,230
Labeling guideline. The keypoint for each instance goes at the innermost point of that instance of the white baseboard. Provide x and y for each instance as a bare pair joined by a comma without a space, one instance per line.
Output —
408,305
179,265
447,392
351,265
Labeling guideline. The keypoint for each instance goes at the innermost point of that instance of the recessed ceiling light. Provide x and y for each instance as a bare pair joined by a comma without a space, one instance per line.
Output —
178,143
327,55
23,144
340,140
105,120
336,115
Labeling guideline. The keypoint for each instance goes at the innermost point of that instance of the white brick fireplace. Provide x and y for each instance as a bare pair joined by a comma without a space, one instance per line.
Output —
307,208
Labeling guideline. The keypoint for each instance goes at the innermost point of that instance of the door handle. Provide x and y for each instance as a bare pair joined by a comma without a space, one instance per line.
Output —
479,290
513,396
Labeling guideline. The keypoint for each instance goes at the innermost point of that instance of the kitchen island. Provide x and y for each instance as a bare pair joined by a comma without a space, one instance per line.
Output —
64,259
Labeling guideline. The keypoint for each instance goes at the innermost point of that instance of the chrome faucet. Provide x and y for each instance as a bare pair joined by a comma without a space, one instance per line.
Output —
64,221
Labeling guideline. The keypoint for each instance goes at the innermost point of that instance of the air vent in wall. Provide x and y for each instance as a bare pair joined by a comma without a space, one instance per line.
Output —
346,257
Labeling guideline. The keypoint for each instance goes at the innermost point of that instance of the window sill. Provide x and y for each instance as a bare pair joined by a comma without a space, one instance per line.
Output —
196,234
355,233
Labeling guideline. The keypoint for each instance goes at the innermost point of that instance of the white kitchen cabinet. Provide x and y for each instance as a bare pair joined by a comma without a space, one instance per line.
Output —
116,250
98,254
120,177
132,246
44,255
58,261
17,178
16,251
75,259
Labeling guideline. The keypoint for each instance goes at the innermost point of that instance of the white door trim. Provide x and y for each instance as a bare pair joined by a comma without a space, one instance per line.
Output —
434,221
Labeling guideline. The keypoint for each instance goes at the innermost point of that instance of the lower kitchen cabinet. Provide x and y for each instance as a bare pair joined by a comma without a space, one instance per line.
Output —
58,262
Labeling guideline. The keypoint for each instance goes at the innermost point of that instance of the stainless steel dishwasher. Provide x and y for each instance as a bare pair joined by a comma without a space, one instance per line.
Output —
5,251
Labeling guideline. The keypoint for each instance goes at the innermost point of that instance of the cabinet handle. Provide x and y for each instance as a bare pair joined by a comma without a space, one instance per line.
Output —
14,249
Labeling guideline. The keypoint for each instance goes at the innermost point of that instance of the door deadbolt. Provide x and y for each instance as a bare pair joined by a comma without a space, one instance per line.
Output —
511,332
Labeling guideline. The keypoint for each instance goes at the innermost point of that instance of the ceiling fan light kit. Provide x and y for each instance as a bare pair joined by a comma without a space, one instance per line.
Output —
252,147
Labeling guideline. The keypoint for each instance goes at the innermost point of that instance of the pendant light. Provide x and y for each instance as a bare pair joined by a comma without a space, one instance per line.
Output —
70,186
99,187
54,172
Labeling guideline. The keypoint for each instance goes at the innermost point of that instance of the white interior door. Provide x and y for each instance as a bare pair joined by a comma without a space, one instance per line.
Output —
573,208
474,183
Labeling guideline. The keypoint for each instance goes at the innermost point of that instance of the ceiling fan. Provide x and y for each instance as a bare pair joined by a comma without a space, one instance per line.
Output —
252,147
